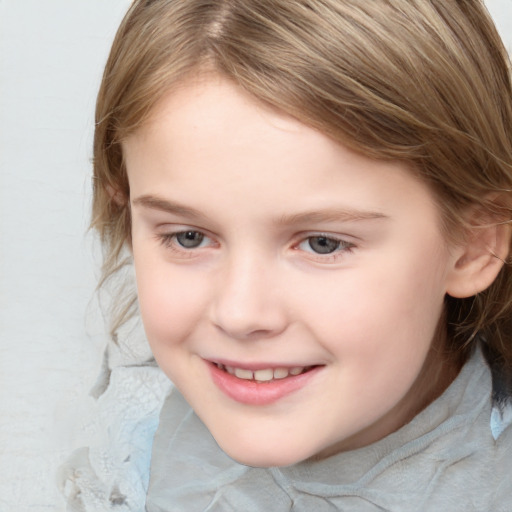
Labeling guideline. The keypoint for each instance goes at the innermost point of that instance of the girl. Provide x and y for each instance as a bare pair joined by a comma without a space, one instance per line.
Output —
317,198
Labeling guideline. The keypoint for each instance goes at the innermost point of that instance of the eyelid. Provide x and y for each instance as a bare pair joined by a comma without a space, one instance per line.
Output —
173,228
346,246
340,237
167,239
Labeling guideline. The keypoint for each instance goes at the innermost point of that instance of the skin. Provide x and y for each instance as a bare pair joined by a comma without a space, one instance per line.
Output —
259,186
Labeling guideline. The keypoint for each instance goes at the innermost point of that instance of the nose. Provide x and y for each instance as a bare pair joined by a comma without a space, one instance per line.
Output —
247,302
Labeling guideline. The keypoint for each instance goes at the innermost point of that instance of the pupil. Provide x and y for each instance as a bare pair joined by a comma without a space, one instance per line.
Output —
189,239
323,245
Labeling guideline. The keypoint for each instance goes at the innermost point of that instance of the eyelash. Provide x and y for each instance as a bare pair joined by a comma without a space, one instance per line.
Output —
343,247
170,241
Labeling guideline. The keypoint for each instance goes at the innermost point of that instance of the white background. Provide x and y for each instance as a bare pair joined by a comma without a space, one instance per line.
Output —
51,335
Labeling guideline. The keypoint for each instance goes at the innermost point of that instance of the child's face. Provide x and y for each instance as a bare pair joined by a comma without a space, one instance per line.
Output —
262,246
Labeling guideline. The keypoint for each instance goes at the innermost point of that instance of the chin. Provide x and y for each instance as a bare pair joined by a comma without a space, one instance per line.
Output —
262,457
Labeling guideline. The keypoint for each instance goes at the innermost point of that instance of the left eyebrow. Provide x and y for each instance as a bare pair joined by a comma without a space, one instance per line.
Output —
329,215
157,203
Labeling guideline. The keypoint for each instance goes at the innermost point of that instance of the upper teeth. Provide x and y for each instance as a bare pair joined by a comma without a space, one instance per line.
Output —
262,375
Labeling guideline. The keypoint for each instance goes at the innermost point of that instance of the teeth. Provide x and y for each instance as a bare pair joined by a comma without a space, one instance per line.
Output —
265,375
281,373
243,374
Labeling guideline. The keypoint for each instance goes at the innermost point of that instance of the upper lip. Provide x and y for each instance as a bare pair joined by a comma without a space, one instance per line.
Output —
255,366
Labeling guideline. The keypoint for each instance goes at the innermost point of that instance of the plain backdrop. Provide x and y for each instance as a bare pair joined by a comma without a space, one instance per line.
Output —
51,333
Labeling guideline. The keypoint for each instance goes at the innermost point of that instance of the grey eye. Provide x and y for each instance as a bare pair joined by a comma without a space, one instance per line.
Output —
190,239
323,244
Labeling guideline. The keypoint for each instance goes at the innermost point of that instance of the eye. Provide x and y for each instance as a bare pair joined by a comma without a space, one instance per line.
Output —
190,239
322,244
185,240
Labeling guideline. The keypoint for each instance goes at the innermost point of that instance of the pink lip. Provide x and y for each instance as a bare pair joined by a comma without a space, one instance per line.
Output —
259,393
255,366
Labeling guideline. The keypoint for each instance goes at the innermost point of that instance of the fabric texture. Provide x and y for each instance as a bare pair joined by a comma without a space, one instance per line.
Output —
446,458
110,469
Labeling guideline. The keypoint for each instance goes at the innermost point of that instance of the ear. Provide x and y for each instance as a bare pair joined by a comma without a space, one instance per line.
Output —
121,201
479,259
116,195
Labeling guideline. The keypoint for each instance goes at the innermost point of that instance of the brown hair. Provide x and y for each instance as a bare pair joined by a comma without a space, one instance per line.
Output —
426,82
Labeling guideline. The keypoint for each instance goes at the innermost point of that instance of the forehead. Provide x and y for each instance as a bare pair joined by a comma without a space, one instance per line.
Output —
209,134
207,100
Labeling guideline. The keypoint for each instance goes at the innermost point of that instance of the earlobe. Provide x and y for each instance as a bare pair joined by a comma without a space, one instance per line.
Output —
478,261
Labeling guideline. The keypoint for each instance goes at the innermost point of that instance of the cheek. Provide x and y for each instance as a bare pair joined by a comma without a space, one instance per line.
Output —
171,302
379,309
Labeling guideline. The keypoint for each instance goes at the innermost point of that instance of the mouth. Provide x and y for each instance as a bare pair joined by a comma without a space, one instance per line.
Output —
264,375
261,386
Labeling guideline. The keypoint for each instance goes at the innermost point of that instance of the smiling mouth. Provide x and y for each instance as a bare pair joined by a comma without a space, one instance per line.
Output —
262,385
264,375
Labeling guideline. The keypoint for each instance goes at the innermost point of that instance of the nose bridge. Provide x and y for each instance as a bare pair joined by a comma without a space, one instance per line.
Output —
247,302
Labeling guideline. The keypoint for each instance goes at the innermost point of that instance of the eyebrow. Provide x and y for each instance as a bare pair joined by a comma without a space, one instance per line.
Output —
308,217
330,215
157,203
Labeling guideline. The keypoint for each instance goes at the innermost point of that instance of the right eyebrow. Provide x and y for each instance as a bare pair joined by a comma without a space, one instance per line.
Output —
157,203
331,215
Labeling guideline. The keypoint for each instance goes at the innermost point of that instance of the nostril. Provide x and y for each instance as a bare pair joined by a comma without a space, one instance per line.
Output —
248,323
260,333
246,333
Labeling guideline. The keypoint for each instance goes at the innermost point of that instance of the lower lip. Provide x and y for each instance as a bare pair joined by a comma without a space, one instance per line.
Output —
259,393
